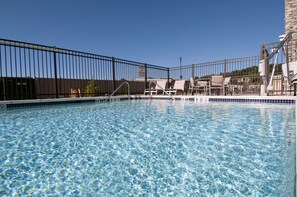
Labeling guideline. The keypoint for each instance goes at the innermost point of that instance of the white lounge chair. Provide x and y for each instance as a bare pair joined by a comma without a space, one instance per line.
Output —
160,87
236,86
216,83
226,85
192,86
290,76
202,86
178,85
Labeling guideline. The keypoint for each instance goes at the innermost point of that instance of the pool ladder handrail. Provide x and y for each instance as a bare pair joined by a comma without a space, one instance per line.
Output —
161,88
125,82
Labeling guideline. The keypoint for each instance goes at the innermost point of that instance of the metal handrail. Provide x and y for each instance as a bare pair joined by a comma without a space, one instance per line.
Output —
281,45
159,87
118,89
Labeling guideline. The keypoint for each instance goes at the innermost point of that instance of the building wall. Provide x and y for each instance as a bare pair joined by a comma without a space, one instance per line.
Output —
291,26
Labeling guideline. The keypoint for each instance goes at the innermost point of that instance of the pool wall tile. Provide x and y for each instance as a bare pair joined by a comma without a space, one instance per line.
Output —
35,103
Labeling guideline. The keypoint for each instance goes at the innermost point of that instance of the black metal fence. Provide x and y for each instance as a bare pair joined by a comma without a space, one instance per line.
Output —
243,72
31,71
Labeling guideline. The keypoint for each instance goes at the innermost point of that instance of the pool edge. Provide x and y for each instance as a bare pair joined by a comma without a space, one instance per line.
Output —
242,99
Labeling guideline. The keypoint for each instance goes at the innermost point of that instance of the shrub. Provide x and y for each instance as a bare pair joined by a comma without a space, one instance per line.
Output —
91,89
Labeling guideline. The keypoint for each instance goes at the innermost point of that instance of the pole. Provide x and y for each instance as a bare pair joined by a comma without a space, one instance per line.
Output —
180,67
113,74
145,75
55,71
168,76
4,91
225,67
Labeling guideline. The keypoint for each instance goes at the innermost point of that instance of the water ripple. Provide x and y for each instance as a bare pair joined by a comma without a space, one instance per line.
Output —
148,148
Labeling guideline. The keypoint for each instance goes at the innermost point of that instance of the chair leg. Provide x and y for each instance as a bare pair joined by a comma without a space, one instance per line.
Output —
191,91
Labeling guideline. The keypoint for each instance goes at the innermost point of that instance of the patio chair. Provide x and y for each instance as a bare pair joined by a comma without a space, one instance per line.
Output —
226,85
202,86
160,87
192,86
237,86
178,85
75,93
216,83
292,77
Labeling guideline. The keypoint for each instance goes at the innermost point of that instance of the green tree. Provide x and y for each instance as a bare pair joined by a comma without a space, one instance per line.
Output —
91,89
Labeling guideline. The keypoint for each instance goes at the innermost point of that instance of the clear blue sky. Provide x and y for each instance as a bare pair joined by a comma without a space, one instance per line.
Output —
151,31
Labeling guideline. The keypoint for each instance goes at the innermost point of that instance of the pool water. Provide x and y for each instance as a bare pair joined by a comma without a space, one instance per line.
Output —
148,148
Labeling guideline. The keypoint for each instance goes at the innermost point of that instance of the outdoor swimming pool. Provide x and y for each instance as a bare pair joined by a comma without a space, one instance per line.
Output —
149,148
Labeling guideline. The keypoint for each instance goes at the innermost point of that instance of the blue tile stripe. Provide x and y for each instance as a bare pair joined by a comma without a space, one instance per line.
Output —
284,101
238,100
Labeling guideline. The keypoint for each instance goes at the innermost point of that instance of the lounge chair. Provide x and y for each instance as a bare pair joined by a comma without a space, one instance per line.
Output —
202,86
226,85
216,83
290,76
178,85
192,86
75,93
160,87
292,71
237,86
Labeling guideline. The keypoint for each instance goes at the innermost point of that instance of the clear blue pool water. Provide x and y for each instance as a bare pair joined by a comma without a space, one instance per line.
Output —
148,148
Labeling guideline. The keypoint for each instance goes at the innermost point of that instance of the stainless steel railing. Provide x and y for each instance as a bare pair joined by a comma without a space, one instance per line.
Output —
118,89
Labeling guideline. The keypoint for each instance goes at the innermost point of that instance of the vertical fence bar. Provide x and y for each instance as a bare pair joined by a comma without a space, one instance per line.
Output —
25,75
34,71
4,85
113,74
2,79
20,91
11,84
55,71
168,76
225,67
145,75
16,93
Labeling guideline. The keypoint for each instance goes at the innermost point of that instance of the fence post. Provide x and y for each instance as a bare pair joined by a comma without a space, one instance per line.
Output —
113,74
193,71
56,74
168,76
264,69
225,67
145,75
